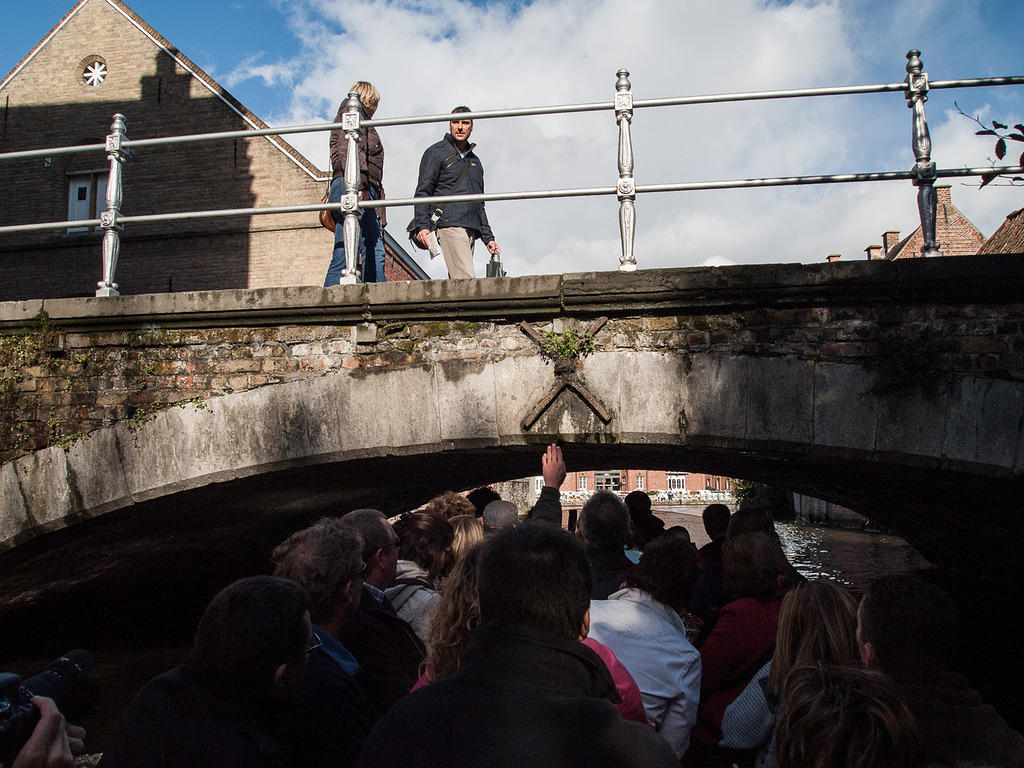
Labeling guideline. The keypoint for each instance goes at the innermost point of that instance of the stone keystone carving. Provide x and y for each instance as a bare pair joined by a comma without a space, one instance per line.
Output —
568,375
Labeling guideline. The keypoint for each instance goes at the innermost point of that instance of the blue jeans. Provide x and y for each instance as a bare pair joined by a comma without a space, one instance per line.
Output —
371,240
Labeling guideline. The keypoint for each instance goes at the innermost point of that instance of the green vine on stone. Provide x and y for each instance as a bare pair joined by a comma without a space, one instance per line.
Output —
571,343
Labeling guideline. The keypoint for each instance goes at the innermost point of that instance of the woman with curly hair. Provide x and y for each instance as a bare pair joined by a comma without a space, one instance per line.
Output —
424,557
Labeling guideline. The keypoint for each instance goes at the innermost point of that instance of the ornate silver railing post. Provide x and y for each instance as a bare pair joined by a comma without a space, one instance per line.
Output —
350,201
625,189
924,168
108,219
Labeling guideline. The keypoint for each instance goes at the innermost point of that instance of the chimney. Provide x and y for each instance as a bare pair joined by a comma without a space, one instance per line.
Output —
942,194
874,252
889,240
833,257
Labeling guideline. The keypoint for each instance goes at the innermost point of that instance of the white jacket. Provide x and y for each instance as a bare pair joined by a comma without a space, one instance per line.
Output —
649,639
412,602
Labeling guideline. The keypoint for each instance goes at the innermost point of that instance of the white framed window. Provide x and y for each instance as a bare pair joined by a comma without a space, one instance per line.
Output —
677,481
538,484
639,482
608,481
582,484
87,197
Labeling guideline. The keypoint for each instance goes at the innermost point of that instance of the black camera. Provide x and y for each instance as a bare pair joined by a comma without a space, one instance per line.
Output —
66,681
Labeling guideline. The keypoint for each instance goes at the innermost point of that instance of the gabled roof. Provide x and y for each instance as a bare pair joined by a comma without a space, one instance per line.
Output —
189,66
1009,238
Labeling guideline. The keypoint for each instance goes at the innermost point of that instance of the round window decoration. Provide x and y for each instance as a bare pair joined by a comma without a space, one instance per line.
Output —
93,71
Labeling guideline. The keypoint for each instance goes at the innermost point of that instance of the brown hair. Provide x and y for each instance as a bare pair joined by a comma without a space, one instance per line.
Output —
844,717
450,504
753,565
426,539
457,612
817,622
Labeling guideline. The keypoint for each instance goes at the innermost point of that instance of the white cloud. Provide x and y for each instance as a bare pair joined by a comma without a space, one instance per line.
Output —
425,56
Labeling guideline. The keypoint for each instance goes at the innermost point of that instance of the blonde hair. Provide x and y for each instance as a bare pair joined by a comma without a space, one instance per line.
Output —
468,532
457,612
817,623
369,95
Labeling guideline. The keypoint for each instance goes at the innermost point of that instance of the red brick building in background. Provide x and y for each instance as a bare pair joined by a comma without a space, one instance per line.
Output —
652,480
955,234
101,59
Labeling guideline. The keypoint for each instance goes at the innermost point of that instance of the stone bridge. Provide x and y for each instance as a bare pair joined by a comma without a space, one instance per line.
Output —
188,433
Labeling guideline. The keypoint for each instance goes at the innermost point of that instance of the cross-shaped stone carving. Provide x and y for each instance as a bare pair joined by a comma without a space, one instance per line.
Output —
566,377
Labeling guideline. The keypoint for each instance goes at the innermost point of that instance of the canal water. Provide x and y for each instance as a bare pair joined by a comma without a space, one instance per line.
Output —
852,557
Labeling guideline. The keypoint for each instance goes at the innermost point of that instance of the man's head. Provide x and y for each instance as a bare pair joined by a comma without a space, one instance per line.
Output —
460,127
380,545
252,637
368,95
906,624
667,571
716,520
535,577
604,522
499,515
326,560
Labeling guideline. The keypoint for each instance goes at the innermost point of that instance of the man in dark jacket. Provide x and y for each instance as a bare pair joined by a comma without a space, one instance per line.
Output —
908,628
528,693
221,710
604,528
388,650
451,167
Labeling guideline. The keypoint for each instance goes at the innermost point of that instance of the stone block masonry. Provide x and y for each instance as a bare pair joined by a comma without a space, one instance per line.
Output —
71,366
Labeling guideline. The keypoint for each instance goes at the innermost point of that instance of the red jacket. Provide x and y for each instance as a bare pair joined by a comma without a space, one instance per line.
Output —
738,645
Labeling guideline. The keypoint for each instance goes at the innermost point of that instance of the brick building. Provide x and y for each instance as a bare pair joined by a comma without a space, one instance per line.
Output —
101,59
955,234
626,480
1009,238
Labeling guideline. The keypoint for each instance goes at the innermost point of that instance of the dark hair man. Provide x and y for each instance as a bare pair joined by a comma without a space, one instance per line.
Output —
221,708
643,525
528,692
328,722
908,628
604,528
451,167
388,650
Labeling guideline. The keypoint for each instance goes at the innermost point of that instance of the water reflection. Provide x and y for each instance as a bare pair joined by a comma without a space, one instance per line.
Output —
851,557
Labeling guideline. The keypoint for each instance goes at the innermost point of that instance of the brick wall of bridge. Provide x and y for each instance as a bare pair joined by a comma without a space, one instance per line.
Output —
61,378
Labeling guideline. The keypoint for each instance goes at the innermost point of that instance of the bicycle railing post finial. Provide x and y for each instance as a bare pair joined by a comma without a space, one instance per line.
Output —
350,200
108,218
924,167
625,189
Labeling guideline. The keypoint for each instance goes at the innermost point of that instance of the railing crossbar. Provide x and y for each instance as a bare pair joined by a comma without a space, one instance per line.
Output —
688,186
717,98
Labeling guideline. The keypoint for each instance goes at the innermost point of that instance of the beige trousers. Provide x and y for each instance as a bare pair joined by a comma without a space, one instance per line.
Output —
457,246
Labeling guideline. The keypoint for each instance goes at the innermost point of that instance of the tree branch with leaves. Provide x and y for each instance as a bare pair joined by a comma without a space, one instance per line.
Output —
1002,134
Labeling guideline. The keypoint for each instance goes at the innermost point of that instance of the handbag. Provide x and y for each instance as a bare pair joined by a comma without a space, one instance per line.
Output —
327,217
494,268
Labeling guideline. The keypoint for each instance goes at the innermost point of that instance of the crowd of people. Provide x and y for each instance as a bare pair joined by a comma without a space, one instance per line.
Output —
464,633
449,167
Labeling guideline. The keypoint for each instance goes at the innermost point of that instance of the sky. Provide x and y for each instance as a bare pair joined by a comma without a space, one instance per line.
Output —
292,62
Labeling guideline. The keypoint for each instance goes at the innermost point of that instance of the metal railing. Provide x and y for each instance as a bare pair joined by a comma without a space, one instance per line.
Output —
915,88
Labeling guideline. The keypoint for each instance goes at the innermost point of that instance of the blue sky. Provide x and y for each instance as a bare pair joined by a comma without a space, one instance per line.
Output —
292,61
